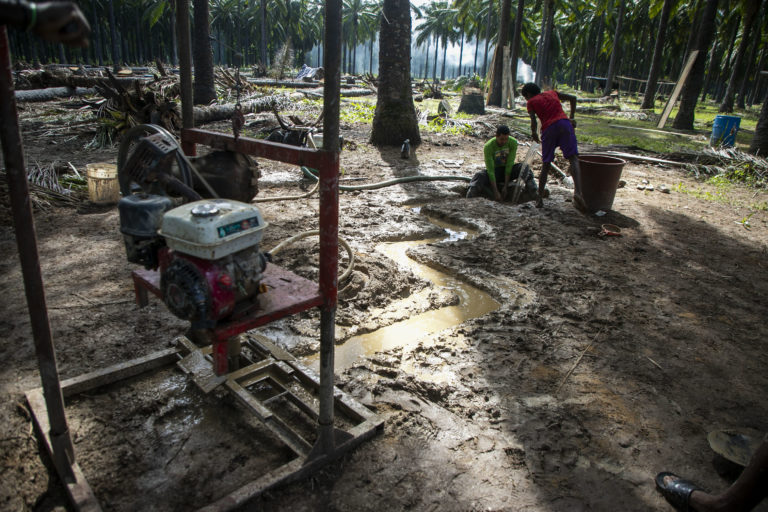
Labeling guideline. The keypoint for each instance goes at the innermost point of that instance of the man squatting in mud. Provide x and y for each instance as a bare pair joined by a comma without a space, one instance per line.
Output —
557,130
499,154
58,22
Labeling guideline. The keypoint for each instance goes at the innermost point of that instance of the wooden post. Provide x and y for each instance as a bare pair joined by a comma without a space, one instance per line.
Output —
678,88
506,84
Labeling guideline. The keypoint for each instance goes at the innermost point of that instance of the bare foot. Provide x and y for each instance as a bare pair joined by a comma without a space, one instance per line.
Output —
578,203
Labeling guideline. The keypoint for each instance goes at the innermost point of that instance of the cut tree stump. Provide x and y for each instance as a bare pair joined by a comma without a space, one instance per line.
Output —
472,101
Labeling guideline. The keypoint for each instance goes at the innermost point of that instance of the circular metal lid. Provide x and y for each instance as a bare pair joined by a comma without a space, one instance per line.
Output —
205,210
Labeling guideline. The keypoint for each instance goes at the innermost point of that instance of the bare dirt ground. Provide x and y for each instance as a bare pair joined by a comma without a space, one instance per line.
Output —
608,360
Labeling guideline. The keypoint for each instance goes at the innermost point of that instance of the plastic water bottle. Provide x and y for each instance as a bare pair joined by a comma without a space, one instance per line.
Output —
405,150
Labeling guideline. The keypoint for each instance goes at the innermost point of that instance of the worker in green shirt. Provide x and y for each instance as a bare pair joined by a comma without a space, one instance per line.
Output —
500,167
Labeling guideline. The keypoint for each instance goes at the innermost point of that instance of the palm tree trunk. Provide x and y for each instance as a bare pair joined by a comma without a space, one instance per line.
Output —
445,54
649,100
426,59
434,64
746,79
96,24
737,70
759,145
263,21
477,47
395,117
548,64
692,33
714,61
114,36
727,62
598,45
614,51
494,98
354,45
543,42
759,82
123,40
174,43
516,42
137,38
542,59
487,37
692,88
461,51
204,91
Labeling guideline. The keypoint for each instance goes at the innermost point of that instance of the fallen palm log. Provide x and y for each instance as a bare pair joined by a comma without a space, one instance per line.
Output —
264,82
630,156
64,77
349,93
354,93
203,115
52,93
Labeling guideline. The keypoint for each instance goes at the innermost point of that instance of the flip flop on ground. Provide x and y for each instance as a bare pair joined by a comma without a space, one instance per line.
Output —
677,491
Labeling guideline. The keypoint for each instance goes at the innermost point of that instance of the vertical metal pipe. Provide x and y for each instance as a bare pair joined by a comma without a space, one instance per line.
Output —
329,220
185,70
13,155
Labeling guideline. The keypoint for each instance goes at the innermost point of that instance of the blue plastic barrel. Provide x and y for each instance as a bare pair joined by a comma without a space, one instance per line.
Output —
724,131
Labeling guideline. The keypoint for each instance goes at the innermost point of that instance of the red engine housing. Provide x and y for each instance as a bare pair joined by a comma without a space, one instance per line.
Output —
207,291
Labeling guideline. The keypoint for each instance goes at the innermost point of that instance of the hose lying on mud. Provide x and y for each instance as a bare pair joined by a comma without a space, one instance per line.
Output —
347,188
286,198
315,232
372,186
312,174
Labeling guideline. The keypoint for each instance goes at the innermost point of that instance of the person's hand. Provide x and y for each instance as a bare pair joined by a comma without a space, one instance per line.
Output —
62,22
536,137
573,122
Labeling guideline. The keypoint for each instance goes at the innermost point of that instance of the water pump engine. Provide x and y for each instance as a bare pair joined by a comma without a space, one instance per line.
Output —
207,253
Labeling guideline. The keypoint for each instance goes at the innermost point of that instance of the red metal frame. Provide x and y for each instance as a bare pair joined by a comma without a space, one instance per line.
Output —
286,294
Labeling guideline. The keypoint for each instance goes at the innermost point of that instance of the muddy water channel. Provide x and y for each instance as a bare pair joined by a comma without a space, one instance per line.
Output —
406,334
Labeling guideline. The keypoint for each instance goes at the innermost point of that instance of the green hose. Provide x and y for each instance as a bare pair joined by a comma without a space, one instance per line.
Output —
316,232
405,179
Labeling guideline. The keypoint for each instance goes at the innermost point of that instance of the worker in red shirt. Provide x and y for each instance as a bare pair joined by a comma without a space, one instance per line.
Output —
557,130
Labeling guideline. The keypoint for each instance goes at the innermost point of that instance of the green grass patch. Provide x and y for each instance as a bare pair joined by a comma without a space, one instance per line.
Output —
358,111
438,125
720,194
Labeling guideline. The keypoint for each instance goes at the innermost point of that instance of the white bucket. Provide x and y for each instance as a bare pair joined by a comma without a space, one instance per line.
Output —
103,187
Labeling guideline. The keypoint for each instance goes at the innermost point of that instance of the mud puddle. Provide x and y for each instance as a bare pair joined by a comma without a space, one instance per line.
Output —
406,334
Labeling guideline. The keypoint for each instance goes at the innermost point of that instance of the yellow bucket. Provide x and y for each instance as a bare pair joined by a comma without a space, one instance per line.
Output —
103,187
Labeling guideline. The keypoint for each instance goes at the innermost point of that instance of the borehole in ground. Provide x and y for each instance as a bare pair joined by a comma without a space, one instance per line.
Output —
406,334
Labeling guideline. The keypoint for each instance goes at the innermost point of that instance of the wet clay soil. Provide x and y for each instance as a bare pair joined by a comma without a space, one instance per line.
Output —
608,359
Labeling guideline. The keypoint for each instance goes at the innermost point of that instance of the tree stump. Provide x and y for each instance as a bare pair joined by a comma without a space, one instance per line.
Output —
472,101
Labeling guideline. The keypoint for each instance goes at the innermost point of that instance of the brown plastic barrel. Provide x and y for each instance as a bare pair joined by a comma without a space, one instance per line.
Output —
600,175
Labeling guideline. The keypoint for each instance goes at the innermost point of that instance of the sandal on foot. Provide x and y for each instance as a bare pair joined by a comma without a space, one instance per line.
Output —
678,492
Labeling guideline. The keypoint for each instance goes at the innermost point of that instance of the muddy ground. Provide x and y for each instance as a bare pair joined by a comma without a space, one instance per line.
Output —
608,360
